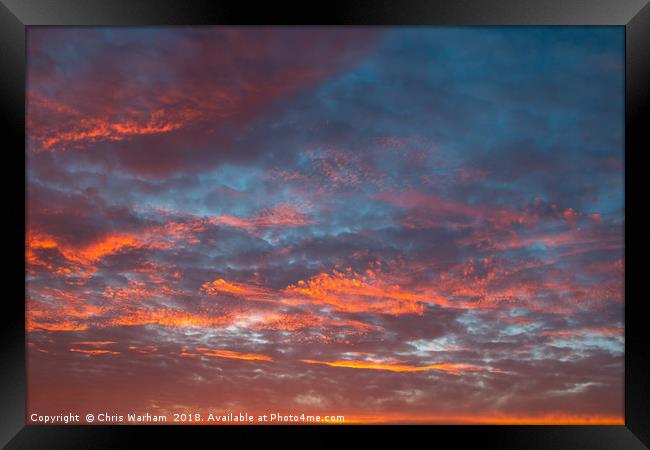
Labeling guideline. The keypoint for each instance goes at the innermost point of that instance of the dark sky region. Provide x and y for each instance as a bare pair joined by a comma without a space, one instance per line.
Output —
419,225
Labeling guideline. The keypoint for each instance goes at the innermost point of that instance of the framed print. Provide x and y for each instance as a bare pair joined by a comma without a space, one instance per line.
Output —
368,218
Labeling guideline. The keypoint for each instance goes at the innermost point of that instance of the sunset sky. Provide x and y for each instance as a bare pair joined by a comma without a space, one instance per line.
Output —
398,225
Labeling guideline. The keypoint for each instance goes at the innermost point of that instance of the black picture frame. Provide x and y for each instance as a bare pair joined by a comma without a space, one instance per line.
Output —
16,15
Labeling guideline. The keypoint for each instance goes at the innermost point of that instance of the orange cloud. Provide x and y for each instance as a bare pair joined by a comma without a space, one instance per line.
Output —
166,317
94,343
62,312
352,292
241,289
56,310
144,350
280,216
81,258
84,130
59,325
345,291
374,291
395,366
93,352
229,354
